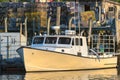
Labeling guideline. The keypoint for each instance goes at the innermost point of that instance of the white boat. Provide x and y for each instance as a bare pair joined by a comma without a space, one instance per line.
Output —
63,52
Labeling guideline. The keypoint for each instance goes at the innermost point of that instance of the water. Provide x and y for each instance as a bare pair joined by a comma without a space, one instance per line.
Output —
105,74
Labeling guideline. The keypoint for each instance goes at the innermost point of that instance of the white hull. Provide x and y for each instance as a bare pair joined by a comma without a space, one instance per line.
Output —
43,60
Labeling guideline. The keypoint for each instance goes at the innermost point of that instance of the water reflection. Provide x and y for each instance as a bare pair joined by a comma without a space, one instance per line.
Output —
11,77
105,74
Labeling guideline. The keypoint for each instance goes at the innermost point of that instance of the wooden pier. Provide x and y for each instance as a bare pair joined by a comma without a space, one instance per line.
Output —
11,66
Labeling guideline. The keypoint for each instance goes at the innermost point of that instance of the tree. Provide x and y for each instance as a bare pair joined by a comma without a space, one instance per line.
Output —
4,0
118,1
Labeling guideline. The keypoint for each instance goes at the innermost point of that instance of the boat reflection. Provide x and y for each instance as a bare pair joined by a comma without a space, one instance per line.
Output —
104,74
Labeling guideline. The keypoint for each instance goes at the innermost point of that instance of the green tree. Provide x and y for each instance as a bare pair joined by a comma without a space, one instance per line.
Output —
4,0
116,0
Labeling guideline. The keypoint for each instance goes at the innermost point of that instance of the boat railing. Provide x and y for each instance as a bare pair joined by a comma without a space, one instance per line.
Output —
93,52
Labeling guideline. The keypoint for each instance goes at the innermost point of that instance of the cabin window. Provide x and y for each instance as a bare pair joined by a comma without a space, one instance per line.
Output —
50,40
64,40
38,40
73,42
79,41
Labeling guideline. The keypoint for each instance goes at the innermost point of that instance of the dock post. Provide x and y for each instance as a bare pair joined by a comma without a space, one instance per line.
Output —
8,47
6,26
118,64
0,57
118,61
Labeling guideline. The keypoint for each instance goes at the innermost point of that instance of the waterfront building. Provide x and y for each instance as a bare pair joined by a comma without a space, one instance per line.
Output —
112,9
103,19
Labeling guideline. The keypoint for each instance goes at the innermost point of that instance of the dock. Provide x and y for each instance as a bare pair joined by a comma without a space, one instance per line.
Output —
12,65
10,61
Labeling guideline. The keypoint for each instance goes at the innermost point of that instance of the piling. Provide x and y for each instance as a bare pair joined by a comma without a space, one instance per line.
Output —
0,63
118,61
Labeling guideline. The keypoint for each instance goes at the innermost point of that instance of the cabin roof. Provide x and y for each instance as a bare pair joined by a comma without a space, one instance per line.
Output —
59,36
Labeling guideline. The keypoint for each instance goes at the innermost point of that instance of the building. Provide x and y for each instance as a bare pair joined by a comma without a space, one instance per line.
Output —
43,0
103,17
113,10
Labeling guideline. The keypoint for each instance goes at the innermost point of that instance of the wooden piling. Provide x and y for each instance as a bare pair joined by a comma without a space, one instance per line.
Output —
118,61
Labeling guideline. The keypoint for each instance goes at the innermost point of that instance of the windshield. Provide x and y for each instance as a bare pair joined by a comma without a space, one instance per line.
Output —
38,40
51,40
64,40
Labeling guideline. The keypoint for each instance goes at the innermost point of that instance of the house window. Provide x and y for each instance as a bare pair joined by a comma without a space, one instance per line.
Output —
111,9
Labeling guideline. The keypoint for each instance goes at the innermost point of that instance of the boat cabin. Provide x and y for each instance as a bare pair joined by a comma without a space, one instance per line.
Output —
68,43
75,45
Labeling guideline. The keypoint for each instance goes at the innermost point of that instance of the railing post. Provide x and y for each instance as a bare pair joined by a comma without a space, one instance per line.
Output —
0,45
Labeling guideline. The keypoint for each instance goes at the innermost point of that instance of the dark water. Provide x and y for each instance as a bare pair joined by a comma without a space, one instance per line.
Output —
105,74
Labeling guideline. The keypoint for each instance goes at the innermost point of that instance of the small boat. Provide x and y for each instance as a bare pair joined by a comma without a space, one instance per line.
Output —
63,53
